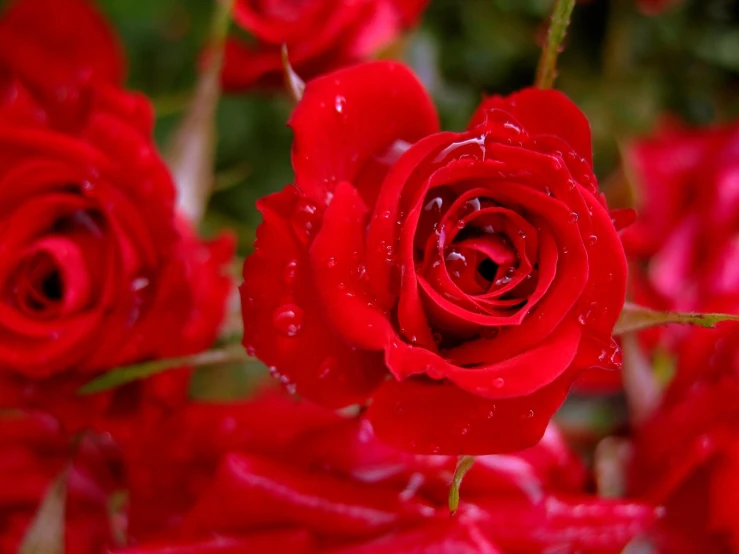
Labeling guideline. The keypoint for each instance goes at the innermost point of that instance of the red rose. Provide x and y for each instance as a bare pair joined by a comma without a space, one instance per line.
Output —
321,35
33,453
304,479
686,257
97,269
685,454
687,236
57,49
478,271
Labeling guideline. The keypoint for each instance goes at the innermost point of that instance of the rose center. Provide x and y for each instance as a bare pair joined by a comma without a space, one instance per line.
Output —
487,269
37,287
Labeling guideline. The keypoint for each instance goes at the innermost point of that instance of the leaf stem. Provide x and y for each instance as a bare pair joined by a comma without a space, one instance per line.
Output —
463,466
126,374
546,72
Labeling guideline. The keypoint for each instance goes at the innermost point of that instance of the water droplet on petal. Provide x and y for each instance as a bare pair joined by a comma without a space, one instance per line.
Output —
592,240
331,262
472,205
288,319
340,104
288,274
499,383
139,283
573,217
304,219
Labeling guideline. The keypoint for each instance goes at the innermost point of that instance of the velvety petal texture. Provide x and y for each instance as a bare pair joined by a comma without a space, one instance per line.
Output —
459,280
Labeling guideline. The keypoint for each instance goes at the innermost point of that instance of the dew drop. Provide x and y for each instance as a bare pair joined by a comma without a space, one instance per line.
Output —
139,283
340,104
434,204
472,205
288,274
592,240
499,383
288,319
331,262
573,217
304,218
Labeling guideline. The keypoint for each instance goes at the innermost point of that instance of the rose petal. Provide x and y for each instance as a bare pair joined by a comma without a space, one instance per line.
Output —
335,123
460,422
336,258
250,491
284,321
543,112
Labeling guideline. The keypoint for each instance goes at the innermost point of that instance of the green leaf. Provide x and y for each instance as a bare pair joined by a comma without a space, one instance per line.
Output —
637,318
45,534
546,72
463,466
126,374
191,149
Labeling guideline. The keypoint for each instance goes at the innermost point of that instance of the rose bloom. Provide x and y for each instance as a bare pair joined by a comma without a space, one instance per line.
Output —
289,476
462,280
686,258
686,455
34,452
321,35
97,270
686,242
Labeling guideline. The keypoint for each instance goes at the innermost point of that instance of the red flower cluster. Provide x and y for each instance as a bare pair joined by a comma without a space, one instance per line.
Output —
686,455
279,474
479,271
97,269
447,287
321,35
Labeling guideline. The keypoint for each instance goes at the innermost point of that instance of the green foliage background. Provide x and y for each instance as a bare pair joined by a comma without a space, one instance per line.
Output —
624,69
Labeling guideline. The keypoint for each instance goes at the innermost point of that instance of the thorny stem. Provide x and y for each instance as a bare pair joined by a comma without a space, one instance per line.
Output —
546,72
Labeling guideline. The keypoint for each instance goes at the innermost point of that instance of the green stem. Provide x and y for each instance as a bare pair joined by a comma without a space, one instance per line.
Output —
546,72
463,466
122,375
